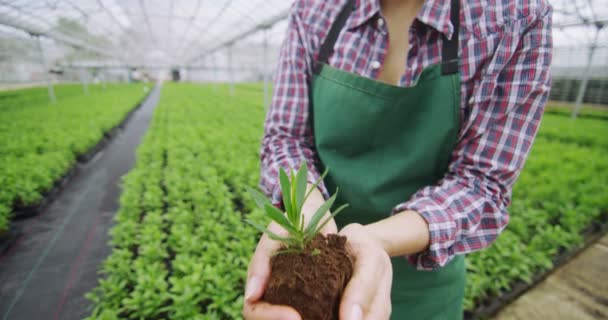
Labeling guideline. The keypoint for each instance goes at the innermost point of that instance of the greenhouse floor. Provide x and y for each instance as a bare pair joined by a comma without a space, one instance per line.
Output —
577,290
46,274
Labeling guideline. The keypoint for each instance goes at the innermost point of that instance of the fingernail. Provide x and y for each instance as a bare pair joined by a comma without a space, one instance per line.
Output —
252,287
356,313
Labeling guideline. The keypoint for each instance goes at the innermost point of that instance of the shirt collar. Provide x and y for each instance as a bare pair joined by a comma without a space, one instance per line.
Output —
363,11
435,13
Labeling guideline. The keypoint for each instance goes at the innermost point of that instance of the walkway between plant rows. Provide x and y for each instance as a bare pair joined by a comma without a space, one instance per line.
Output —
578,290
55,261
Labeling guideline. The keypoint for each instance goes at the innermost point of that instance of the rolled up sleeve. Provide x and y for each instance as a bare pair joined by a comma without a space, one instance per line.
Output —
467,209
288,139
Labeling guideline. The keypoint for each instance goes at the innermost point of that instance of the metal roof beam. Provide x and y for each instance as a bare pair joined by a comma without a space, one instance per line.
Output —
261,26
597,23
33,30
73,65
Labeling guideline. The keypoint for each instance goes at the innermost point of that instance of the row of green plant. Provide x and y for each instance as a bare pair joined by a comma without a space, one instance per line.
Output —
598,112
583,131
181,246
4,219
19,98
41,141
561,192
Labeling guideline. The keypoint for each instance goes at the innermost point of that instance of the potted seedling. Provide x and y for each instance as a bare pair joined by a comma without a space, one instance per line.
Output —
311,270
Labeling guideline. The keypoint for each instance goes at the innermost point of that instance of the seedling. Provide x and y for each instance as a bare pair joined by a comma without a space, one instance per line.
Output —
294,195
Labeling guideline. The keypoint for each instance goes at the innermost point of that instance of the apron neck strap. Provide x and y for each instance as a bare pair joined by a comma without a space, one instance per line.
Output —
327,47
449,50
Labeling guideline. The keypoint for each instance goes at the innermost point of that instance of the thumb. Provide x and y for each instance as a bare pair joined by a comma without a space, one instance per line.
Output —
259,266
360,291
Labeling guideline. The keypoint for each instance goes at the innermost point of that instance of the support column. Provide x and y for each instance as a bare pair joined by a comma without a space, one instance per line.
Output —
230,70
102,72
583,86
566,89
204,71
567,81
85,85
214,67
49,80
265,70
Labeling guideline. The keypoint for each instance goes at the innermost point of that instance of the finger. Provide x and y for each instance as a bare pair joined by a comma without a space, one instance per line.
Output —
266,311
361,288
381,306
258,271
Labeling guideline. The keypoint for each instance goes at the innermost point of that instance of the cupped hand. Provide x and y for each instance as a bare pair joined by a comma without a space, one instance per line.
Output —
259,272
368,293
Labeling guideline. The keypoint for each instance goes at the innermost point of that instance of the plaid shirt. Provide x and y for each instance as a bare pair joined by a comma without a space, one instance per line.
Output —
505,50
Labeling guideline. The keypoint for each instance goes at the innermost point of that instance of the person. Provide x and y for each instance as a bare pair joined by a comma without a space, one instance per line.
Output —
424,112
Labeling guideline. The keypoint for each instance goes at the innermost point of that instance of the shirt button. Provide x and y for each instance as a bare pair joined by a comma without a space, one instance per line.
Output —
471,100
376,64
380,22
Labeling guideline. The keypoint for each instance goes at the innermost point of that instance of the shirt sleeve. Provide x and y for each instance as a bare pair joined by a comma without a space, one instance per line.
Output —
288,138
467,209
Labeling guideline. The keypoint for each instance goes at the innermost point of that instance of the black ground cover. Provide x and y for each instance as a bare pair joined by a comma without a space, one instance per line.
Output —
54,261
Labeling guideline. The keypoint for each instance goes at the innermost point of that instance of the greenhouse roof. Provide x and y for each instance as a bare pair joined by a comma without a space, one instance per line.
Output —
169,33
159,32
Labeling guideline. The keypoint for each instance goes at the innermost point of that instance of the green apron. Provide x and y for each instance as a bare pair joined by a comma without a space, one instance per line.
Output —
381,144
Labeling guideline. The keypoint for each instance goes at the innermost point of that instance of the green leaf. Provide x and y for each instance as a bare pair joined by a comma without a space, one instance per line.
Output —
293,213
316,184
286,192
270,234
259,198
314,221
301,181
277,216
333,214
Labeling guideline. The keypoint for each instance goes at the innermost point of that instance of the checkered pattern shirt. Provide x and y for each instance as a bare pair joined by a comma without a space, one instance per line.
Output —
505,51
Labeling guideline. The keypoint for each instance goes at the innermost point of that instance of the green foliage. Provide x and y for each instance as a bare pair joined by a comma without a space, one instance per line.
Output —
561,191
40,141
179,233
15,99
180,249
294,196
597,112
585,132
4,218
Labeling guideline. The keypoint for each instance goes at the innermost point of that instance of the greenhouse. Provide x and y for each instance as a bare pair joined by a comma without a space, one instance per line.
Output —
163,159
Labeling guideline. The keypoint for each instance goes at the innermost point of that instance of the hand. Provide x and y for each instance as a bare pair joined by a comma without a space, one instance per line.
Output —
368,293
259,268
257,278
